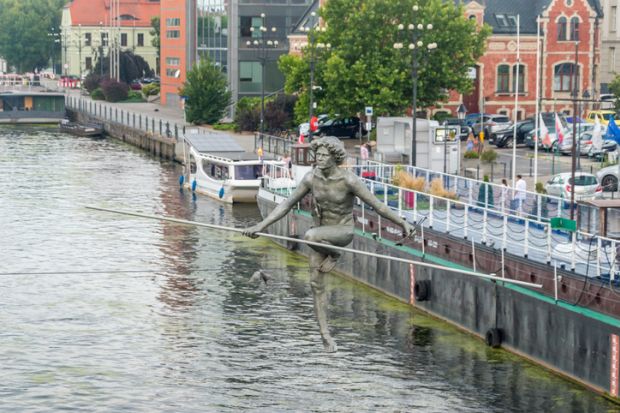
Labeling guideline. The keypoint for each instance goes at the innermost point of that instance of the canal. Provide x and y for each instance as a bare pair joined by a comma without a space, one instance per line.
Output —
103,312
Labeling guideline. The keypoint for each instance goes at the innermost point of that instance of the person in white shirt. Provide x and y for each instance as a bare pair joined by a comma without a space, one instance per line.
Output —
520,193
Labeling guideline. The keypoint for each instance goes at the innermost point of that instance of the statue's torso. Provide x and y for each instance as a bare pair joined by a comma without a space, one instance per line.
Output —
333,199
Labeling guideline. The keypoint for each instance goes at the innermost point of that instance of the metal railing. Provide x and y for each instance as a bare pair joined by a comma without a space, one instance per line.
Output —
507,231
137,121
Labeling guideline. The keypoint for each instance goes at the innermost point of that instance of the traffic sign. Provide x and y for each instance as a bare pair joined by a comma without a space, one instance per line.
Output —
368,110
368,126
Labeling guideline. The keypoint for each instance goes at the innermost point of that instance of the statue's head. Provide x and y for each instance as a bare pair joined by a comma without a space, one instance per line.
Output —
333,145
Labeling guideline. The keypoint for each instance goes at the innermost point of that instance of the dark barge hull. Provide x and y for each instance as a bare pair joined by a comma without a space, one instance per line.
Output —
578,341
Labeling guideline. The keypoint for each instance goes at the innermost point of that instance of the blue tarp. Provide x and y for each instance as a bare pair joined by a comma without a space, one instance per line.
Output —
613,132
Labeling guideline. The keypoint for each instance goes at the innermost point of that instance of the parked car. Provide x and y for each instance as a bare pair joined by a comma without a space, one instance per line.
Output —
135,85
491,124
463,128
608,146
608,101
585,143
566,147
472,118
304,128
602,115
586,186
608,177
549,119
504,137
350,127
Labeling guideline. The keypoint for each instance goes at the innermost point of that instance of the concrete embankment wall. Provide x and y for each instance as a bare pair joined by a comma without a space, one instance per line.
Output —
153,143
532,325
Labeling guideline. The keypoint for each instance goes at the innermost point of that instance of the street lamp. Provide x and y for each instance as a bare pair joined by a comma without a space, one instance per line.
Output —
416,45
80,51
314,48
56,39
262,45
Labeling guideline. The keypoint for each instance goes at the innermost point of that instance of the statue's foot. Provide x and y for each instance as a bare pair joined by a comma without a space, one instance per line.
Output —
328,264
330,345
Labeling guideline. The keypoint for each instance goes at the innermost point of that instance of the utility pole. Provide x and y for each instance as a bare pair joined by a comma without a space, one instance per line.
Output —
574,90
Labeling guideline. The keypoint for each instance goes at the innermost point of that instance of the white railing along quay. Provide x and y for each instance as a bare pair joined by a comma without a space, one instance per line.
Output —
526,236
138,121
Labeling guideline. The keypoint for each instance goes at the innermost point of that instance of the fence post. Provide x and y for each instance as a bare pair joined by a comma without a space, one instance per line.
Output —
153,126
160,127
176,131
140,121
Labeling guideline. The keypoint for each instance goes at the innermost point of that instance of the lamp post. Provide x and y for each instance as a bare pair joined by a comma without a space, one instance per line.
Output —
574,93
56,39
263,44
415,46
80,51
460,112
313,48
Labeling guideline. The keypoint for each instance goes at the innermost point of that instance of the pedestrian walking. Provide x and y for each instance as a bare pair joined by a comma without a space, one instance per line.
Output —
469,146
520,194
505,192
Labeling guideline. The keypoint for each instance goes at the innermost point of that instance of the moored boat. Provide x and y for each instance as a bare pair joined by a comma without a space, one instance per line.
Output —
81,129
31,107
220,168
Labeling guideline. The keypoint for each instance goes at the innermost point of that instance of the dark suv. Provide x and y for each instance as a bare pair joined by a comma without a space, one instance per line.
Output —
350,127
463,128
504,137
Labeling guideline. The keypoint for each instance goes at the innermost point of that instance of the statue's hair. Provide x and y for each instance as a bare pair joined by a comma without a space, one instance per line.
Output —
333,145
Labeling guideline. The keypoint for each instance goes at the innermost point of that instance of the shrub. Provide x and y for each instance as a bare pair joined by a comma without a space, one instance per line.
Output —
92,82
471,155
134,96
247,115
151,89
488,156
225,126
97,94
405,180
540,188
437,189
114,91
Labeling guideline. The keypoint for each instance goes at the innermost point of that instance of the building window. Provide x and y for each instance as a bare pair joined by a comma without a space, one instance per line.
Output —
124,39
250,26
521,77
140,39
569,3
173,22
562,77
173,34
503,112
173,61
104,39
171,72
88,39
503,78
612,59
574,28
612,18
501,20
249,77
562,28
89,63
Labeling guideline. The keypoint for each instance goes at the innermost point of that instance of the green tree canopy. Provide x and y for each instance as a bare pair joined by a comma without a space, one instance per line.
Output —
156,39
206,91
24,28
362,68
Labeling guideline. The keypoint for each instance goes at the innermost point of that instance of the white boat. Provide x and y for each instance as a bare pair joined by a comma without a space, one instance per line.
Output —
220,168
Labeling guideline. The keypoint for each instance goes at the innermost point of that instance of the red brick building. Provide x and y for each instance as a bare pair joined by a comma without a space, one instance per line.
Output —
569,33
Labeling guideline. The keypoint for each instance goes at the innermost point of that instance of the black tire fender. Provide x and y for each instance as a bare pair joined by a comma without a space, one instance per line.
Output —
422,290
493,337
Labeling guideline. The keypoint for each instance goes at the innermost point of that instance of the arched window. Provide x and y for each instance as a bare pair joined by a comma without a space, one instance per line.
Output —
563,77
521,77
503,78
574,28
562,28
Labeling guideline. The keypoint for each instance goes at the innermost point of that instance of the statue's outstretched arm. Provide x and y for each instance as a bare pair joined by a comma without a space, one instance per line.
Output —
360,190
281,210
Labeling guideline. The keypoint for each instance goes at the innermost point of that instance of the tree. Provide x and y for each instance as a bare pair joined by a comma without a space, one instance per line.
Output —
206,92
363,69
24,28
132,67
156,39
614,87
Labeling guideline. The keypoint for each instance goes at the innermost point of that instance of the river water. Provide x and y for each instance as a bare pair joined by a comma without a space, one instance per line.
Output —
104,312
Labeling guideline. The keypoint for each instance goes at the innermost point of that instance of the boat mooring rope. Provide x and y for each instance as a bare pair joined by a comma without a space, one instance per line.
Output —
319,244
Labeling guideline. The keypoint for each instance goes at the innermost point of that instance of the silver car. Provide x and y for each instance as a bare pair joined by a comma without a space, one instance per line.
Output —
492,123
608,177
586,186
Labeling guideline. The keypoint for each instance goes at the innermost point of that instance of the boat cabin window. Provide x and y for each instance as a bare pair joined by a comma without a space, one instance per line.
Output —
303,155
248,172
214,170
192,165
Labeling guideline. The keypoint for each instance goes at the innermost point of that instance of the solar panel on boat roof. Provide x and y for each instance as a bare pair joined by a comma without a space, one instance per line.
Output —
213,143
